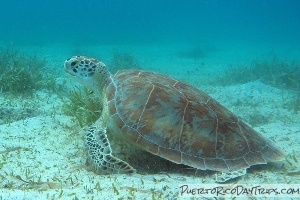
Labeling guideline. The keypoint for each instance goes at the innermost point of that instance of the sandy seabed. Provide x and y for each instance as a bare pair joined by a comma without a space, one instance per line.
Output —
43,157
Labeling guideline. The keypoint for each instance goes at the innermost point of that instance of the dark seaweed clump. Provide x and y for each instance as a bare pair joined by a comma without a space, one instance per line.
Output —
274,72
83,105
23,74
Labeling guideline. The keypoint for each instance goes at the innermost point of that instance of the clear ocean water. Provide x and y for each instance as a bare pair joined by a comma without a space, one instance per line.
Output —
132,22
244,53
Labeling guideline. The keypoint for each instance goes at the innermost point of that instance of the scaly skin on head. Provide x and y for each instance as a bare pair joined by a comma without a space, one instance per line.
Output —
89,72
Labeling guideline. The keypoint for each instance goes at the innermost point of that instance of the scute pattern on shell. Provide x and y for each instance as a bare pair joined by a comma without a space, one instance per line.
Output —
183,124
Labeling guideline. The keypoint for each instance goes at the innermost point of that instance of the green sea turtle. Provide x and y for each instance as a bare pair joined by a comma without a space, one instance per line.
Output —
167,118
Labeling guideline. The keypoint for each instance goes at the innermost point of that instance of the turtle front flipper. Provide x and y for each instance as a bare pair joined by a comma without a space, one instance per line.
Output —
100,153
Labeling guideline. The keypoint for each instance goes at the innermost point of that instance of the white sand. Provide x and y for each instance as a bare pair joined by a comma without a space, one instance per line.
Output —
43,157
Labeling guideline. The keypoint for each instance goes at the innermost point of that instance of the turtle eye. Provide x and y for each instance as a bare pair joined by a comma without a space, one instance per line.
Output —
73,63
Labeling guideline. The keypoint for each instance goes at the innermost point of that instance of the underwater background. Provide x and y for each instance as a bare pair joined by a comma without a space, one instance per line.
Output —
245,54
236,32
145,22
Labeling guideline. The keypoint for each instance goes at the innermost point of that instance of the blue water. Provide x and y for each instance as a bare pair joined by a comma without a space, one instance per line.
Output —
148,21
192,40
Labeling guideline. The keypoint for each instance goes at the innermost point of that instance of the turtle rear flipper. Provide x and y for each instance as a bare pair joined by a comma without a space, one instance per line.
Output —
100,153
222,177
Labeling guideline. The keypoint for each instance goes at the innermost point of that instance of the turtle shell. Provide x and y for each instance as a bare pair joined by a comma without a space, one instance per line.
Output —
180,123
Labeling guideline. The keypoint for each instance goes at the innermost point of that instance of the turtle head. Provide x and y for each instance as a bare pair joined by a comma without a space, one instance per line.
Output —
87,71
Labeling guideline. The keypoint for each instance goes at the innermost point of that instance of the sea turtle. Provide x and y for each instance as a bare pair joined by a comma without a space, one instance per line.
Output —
167,118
